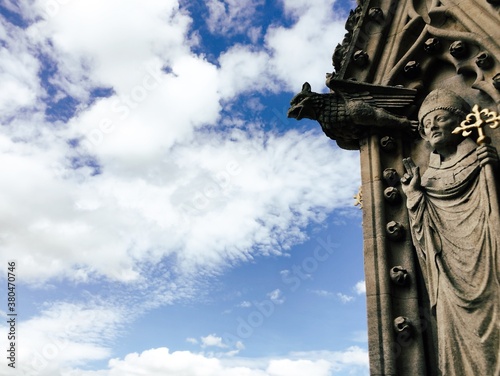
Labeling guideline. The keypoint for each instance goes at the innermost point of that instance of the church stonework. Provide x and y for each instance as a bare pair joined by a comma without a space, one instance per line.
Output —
416,89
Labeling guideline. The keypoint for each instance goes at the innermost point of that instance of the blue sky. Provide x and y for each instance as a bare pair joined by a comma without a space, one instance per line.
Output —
166,218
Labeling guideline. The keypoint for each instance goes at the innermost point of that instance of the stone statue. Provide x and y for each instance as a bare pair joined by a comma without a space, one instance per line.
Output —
457,238
346,114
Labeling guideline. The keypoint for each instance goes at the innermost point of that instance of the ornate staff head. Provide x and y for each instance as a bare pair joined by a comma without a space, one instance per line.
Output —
478,119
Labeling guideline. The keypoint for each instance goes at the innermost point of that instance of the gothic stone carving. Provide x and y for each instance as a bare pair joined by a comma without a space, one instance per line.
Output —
420,44
453,214
346,114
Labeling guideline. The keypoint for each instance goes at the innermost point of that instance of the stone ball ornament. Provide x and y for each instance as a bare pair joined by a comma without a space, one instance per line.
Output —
484,60
458,49
361,58
496,81
391,177
403,325
432,45
392,195
388,143
376,14
395,230
399,276
412,69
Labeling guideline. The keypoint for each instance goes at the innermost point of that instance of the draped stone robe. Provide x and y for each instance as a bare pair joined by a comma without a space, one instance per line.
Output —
457,247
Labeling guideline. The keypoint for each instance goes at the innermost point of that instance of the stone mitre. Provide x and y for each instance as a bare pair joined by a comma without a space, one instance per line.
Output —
443,99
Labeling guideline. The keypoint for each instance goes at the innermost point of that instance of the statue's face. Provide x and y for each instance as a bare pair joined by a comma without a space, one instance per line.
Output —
437,128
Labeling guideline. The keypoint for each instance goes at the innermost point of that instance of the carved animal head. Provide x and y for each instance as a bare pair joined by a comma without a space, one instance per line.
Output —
305,104
329,110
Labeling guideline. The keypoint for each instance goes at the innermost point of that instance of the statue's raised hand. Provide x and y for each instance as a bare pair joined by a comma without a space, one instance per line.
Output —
411,179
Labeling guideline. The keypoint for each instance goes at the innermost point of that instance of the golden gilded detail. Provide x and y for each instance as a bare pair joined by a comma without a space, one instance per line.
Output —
358,197
477,119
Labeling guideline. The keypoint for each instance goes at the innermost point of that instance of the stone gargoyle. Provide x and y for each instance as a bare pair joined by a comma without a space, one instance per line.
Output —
348,112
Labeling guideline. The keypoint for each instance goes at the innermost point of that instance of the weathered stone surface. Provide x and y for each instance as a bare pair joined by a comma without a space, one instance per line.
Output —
353,109
422,45
453,212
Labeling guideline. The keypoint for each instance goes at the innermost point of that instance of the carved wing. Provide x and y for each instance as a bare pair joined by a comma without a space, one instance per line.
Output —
375,95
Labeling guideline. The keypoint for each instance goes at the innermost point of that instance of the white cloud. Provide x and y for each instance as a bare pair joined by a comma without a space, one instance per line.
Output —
290,55
302,48
193,341
276,296
63,335
345,298
286,367
168,188
245,304
244,69
328,294
118,39
229,17
18,74
212,341
251,195
351,361
162,361
360,288
284,273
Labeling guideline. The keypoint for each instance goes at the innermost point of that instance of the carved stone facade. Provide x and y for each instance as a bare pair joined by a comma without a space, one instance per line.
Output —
419,45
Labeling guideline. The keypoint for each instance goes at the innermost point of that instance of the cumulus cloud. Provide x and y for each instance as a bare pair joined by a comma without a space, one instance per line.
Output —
117,40
162,361
309,51
212,341
360,288
353,360
282,64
